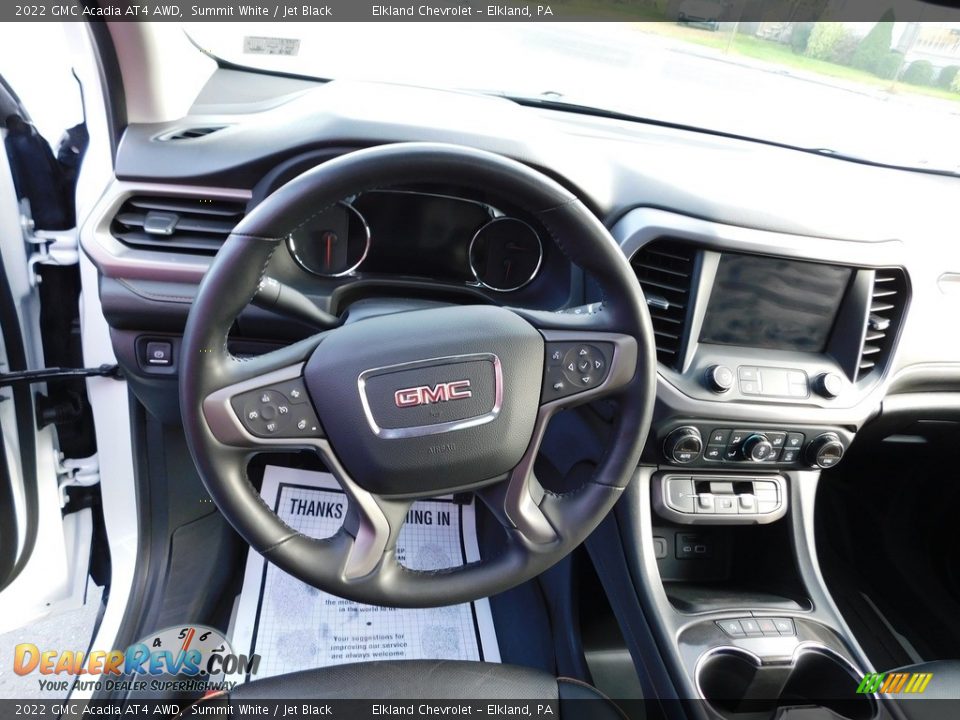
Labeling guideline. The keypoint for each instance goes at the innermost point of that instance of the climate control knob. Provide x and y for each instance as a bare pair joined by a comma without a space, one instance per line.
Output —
757,448
825,450
683,445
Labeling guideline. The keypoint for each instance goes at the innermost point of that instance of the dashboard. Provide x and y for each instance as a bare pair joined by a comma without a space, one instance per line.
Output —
786,311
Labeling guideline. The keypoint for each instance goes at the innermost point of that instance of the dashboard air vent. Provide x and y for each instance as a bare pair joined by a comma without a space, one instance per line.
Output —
190,133
887,302
182,224
665,271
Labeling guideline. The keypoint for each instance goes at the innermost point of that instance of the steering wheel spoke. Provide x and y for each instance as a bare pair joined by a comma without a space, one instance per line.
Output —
373,521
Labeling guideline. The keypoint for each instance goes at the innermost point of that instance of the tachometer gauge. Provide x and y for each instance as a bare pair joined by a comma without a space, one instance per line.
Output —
333,243
505,254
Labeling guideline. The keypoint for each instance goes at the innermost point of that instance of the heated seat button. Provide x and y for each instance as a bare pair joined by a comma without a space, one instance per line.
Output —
751,627
789,455
776,439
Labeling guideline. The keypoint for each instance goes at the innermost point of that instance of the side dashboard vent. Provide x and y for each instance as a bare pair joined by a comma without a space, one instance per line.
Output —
888,300
665,271
181,224
190,133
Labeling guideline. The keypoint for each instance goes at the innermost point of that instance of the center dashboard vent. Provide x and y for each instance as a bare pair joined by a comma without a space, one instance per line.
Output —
190,133
888,300
182,224
665,270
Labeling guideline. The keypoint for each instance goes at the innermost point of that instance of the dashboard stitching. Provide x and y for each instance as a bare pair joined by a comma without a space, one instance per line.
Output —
257,237
155,296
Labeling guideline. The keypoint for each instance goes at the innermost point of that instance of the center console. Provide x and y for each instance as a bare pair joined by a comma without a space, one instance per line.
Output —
769,364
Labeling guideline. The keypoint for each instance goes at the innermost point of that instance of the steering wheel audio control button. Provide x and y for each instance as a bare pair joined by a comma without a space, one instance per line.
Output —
277,411
571,368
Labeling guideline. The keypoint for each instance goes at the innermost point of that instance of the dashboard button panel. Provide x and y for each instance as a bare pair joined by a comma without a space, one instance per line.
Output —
720,500
757,627
773,382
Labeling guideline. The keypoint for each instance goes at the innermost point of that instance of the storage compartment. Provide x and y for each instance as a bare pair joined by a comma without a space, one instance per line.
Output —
737,684
708,568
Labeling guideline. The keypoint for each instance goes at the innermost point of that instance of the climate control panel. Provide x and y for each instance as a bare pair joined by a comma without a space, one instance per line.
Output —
700,444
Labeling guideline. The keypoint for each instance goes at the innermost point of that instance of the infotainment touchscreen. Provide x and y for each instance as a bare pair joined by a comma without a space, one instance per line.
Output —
773,303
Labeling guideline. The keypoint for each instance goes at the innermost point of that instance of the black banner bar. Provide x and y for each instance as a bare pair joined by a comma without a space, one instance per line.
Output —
722,11
425,709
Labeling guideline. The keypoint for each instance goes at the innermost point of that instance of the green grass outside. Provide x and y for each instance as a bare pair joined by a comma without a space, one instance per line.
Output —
571,10
777,53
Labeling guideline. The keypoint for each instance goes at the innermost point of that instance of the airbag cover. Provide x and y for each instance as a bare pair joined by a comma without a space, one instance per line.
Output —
429,401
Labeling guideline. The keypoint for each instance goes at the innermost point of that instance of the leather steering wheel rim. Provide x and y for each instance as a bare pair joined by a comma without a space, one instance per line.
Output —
359,562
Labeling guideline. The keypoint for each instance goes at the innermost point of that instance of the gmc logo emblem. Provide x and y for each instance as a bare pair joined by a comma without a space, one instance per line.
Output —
426,395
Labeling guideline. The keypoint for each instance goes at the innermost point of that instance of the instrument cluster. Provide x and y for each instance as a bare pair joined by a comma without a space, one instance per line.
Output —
420,234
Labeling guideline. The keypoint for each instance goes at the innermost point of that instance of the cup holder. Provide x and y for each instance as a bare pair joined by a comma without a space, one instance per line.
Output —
736,684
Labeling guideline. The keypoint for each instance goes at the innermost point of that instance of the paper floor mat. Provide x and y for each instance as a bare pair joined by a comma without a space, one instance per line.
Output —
293,626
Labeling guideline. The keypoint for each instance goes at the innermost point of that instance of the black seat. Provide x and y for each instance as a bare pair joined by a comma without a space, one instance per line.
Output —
426,680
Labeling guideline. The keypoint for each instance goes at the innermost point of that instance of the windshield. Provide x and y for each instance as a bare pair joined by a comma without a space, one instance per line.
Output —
823,86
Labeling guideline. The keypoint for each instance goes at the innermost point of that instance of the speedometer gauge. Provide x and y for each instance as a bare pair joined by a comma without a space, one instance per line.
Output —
332,243
505,254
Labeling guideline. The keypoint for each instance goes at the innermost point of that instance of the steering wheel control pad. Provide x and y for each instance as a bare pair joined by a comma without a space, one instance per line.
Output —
572,368
282,410
429,401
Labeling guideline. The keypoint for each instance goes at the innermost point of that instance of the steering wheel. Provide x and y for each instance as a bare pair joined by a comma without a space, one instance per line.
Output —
421,403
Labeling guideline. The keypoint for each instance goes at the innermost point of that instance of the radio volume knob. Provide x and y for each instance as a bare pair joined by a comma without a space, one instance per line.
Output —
683,445
719,378
757,448
825,450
